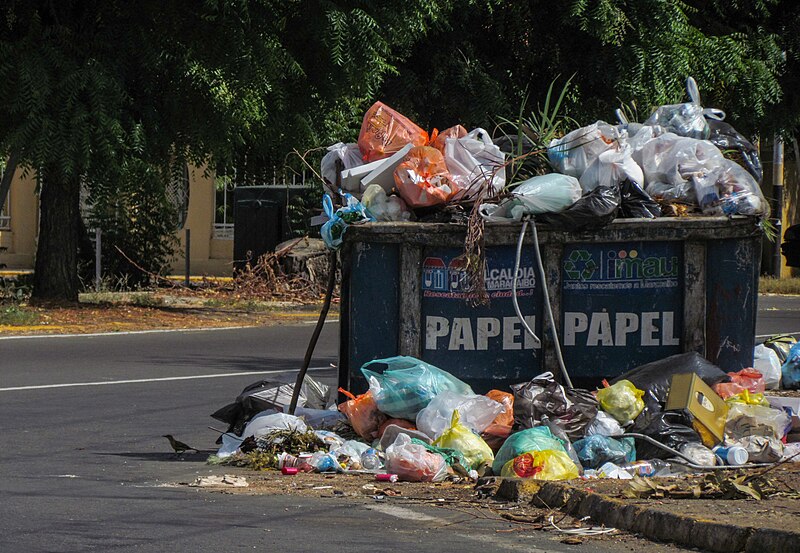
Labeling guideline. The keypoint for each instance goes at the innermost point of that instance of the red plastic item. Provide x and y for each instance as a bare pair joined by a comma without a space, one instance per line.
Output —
289,470
750,379
363,414
386,477
385,131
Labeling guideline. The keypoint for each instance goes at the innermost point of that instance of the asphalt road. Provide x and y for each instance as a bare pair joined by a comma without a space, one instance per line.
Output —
83,466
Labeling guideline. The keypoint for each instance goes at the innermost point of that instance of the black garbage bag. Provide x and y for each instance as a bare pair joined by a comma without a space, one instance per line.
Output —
269,394
655,378
545,399
595,210
671,428
725,137
636,203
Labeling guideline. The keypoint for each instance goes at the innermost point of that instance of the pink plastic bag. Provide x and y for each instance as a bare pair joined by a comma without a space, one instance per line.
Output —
749,379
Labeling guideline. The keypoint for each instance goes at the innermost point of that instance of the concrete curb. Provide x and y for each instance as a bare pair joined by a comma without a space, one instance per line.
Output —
650,523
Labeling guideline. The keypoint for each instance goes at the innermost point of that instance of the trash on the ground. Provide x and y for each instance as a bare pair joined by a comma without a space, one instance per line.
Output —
689,393
475,412
391,432
604,425
593,451
622,400
461,438
223,481
572,409
413,462
541,465
790,371
539,438
363,414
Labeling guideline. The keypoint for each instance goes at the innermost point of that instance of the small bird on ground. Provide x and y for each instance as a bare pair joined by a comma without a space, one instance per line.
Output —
179,446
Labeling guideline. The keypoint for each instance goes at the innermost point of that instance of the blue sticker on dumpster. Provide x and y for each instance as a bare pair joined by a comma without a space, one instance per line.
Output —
622,305
482,343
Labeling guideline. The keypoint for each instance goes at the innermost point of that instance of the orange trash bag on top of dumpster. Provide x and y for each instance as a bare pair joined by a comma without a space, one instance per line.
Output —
363,414
385,132
422,178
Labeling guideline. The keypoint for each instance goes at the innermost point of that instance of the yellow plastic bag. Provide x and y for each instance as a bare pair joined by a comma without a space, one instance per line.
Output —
748,398
549,464
623,401
472,446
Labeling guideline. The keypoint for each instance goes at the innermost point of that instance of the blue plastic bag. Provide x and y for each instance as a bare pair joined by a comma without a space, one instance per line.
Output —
333,231
790,371
408,385
531,439
596,450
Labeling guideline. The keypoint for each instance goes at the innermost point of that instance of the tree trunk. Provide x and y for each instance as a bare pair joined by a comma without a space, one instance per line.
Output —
56,271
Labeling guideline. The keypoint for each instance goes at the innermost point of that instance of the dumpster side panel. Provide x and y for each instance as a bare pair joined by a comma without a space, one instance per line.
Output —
622,305
485,345
372,322
732,300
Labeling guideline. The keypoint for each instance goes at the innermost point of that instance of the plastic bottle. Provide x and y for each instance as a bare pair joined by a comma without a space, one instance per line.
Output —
652,467
370,459
734,455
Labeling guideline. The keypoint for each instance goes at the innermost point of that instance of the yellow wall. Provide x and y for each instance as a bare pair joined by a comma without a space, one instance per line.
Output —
208,256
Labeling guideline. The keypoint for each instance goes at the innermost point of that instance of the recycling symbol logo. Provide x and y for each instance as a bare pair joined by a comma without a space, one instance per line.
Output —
580,265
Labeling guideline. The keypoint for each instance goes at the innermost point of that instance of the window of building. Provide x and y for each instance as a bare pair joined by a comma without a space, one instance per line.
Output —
223,211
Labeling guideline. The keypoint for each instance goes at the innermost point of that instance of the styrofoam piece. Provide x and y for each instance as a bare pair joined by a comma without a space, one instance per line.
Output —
383,175
351,178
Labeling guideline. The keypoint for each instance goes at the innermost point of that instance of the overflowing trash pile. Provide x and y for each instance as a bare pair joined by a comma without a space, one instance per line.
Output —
672,164
419,423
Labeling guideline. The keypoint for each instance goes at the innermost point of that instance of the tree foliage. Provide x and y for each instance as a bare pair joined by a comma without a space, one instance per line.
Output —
483,60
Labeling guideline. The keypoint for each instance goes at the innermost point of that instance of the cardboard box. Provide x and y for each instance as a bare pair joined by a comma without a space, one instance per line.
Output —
689,393
351,178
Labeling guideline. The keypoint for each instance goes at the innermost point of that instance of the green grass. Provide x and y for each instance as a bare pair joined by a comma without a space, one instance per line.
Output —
770,285
15,315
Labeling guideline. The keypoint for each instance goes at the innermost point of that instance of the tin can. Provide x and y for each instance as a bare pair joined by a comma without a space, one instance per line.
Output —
289,470
384,477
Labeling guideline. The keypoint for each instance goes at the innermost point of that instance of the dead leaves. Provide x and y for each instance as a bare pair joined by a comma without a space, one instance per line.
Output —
715,485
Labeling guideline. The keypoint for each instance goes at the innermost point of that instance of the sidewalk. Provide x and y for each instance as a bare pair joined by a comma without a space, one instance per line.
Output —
723,525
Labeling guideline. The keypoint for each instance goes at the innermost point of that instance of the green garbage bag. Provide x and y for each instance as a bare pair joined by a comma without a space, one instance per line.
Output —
531,439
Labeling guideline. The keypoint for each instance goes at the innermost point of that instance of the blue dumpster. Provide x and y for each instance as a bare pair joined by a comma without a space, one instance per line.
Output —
634,292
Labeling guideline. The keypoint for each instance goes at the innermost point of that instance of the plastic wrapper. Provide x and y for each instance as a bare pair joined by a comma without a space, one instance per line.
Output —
541,465
476,413
594,451
766,361
749,379
333,230
610,168
462,439
407,385
761,449
682,119
726,138
524,441
438,139
269,422
790,370
451,456
385,131
755,420
593,211
781,345
671,428
572,409
382,207
422,179
730,190
348,154
506,416
495,435
622,400
573,153
320,419
699,454
549,193
413,462
747,398
363,414
604,425
476,166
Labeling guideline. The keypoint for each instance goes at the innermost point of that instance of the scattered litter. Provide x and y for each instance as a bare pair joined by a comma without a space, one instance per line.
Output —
225,480
590,531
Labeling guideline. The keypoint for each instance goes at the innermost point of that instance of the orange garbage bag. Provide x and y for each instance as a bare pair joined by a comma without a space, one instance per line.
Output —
385,131
422,178
749,379
363,414
439,139
506,416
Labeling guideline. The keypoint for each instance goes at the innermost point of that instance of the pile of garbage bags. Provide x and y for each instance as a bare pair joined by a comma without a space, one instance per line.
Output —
398,172
417,422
